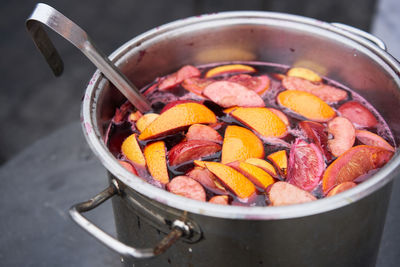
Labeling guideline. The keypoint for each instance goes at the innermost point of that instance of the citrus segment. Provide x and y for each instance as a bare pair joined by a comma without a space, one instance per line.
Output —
156,161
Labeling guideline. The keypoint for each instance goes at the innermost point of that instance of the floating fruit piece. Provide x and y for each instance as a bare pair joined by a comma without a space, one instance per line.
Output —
128,166
191,150
176,78
196,85
306,105
229,94
156,161
282,193
326,92
358,114
187,187
279,159
357,161
305,74
262,120
206,179
280,115
229,110
232,179
258,84
177,118
306,165
265,165
341,188
134,116
240,144
199,163
315,132
145,121
176,102
234,68
278,76
371,139
121,112
203,132
256,175
344,135
222,200
131,149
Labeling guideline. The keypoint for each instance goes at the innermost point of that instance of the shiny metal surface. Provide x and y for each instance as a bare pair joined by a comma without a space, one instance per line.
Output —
343,230
46,15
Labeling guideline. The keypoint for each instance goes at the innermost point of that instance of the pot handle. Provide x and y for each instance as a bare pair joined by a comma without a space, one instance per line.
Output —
373,39
179,228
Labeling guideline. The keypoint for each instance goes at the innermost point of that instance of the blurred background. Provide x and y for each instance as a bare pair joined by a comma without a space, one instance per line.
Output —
45,163
33,103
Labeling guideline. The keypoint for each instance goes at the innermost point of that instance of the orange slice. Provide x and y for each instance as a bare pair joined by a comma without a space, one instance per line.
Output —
355,162
234,68
177,118
232,179
258,176
306,105
265,165
305,74
145,121
131,149
199,163
156,161
341,188
261,120
279,159
229,110
134,116
240,144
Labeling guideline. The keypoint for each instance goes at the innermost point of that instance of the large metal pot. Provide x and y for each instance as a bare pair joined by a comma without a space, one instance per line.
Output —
343,230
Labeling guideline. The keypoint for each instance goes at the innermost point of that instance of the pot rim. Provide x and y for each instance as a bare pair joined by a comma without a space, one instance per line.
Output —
95,141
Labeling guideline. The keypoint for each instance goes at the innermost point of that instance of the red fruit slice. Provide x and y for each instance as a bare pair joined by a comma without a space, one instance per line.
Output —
229,94
344,135
358,114
203,132
206,179
306,165
196,85
191,150
371,139
325,92
357,161
176,78
128,166
282,193
258,84
222,200
341,188
121,112
187,187
315,132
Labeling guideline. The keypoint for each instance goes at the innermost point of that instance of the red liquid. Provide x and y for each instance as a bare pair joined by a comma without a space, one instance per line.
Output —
119,131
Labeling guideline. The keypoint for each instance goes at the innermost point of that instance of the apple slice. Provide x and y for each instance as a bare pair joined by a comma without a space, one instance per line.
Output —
176,78
358,114
203,132
262,120
357,161
196,85
256,175
258,84
187,187
228,94
131,149
177,118
315,132
206,179
263,164
226,69
128,166
306,105
306,165
282,194
371,139
344,135
240,144
156,161
279,159
222,200
304,73
191,150
232,179
341,188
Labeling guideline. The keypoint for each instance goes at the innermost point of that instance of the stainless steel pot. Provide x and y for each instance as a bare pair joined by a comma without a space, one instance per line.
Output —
343,230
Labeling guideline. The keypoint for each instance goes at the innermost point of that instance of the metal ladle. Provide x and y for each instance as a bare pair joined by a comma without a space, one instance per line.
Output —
46,15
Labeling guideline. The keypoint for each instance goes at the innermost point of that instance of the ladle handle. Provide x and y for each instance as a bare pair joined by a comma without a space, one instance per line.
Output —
46,15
